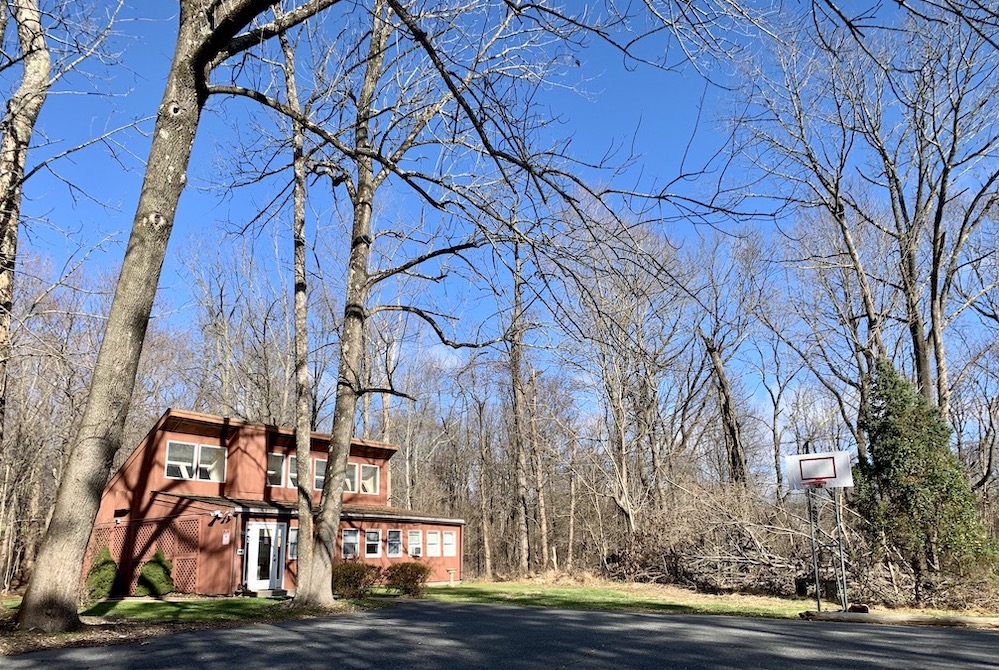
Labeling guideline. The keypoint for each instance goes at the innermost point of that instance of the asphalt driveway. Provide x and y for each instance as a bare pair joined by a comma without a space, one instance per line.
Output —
425,635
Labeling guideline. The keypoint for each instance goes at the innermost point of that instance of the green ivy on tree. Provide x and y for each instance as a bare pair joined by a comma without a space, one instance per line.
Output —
913,489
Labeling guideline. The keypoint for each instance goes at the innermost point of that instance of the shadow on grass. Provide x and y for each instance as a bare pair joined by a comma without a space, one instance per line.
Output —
213,609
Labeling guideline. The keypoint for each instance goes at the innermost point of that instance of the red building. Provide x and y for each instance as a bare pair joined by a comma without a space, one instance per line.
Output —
218,496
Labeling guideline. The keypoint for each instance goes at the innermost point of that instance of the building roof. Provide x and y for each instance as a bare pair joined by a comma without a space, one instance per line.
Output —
209,425
290,508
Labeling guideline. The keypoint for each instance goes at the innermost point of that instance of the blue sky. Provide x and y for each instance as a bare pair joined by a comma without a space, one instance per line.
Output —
652,113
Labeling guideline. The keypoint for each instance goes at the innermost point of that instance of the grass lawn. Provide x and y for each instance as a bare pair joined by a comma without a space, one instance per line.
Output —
601,595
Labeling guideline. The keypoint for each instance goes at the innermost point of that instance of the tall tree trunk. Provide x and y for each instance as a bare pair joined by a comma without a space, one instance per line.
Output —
308,590
16,129
519,417
51,600
539,481
206,28
349,375
735,450
571,539
484,507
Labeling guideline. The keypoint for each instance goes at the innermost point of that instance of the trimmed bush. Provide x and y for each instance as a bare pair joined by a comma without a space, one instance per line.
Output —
101,576
154,577
354,580
409,579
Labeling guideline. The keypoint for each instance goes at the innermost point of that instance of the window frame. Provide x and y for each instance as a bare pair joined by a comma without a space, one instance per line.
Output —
316,484
350,482
194,466
360,480
449,551
293,544
410,545
267,470
356,532
291,481
388,543
434,548
377,543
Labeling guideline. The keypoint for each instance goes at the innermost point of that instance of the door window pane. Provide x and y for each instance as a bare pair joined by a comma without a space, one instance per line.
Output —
264,544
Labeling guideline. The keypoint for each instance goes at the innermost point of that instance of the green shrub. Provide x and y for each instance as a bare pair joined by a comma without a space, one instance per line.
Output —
101,576
154,577
354,580
409,579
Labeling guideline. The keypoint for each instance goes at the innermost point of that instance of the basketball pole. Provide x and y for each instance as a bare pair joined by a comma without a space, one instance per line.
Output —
813,514
845,601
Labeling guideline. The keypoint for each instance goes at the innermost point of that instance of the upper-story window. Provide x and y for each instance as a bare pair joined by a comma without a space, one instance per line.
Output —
350,479
275,469
369,479
282,470
320,479
185,460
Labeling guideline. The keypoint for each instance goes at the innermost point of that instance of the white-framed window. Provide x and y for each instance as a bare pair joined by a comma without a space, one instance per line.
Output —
320,479
293,472
450,543
350,478
372,543
369,479
186,460
414,541
180,460
293,544
349,545
211,463
393,544
433,543
275,469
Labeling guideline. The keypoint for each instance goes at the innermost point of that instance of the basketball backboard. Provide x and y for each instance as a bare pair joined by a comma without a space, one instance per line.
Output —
826,470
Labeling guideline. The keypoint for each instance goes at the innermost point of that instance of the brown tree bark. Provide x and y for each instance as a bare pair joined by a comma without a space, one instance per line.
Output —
16,129
207,32
520,419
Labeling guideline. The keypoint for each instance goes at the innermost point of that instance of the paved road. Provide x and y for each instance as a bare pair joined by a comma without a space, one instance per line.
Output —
427,635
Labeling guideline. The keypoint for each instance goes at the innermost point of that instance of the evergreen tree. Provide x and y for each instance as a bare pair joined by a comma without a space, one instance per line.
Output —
913,490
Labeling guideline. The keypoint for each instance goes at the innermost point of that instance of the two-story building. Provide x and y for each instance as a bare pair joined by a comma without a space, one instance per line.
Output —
219,497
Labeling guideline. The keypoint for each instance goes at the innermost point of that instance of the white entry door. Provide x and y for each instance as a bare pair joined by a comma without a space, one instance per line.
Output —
265,556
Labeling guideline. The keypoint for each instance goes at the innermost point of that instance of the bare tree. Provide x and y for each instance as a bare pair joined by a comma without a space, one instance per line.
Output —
209,34
887,140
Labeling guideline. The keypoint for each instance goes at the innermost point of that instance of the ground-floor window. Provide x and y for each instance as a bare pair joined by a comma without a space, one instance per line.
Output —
415,543
372,543
292,544
450,543
351,541
433,543
393,544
